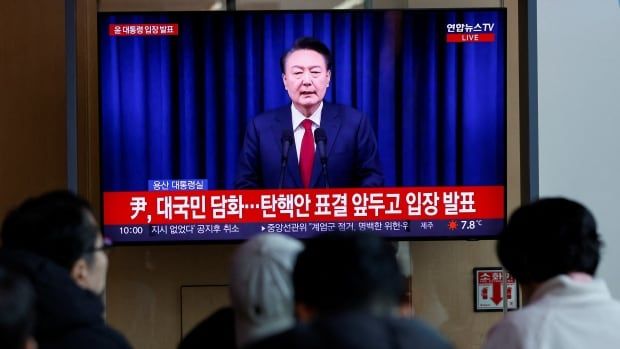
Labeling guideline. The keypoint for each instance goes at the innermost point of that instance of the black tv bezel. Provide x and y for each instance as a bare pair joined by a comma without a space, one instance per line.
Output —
502,12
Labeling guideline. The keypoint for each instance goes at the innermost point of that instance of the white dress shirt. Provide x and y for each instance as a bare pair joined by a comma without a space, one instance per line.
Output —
298,129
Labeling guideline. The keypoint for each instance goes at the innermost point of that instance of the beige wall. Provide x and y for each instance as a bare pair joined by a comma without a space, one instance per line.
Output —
149,289
32,100
154,292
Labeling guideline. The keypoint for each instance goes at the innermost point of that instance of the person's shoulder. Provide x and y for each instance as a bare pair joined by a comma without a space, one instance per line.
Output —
268,119
342,110
512,331
218,329
363,330
93,337
114,338
272,114
298,337
412,331
279,340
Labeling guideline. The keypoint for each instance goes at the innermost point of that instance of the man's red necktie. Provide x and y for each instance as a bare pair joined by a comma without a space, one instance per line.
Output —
306,155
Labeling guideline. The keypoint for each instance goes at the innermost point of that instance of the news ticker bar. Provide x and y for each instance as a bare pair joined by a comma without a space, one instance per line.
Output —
240,231
303,205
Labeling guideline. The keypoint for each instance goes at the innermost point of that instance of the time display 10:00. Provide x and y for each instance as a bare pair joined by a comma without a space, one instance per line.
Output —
136,230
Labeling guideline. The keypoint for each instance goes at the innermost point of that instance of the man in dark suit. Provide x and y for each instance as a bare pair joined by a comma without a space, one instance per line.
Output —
352,158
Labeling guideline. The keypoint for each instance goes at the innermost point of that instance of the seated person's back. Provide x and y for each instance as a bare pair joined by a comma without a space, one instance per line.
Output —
347,291
261,292
216,331
552,248
16,312
261,287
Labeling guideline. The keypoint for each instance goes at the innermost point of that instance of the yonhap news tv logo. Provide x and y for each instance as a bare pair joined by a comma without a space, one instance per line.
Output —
470,32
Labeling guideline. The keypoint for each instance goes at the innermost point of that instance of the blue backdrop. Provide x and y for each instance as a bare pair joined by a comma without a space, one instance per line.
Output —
176,107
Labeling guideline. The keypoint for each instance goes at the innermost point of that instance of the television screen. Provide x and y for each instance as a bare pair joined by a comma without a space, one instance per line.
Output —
221,125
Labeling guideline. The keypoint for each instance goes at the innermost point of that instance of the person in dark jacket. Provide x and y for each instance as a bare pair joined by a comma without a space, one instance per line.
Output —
16,312
261,294
55,242
216,331
348,288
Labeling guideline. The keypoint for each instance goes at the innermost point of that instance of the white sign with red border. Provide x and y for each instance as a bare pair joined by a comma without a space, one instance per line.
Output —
489,290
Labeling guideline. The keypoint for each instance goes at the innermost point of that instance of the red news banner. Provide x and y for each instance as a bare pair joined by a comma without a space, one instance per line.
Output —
216,206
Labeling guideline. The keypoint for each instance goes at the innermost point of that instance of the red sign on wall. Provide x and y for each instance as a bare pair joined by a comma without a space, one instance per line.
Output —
489,290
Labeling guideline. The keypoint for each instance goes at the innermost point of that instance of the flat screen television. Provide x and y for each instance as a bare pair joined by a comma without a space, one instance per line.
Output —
413,118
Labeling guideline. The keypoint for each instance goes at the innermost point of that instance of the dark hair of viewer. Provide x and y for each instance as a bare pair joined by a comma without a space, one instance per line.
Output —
348,271
16,310
54,225
307,43
547,238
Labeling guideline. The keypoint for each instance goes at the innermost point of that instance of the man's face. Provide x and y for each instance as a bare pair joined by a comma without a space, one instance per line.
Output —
306,79
91,270
97,268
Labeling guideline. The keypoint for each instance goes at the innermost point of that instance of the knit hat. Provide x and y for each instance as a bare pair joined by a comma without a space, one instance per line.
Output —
261,286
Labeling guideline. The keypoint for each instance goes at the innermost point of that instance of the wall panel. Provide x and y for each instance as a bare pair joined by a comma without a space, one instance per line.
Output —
33,155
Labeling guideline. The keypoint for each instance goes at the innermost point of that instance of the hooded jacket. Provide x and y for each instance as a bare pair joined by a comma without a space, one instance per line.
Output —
67,316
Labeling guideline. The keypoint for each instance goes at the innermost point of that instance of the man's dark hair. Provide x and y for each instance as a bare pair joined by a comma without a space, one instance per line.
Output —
16,310
307,43
348,271
547,238
54,225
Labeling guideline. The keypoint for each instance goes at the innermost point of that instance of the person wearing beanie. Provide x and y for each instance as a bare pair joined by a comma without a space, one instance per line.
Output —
348,287
261,287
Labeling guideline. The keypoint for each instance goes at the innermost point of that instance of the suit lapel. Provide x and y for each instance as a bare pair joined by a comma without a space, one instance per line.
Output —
330,123
283,122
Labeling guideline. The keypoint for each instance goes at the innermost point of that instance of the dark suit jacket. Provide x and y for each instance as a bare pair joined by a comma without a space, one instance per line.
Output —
353,159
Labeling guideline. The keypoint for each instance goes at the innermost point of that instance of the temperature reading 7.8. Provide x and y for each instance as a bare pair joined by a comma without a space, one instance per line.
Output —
470,225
